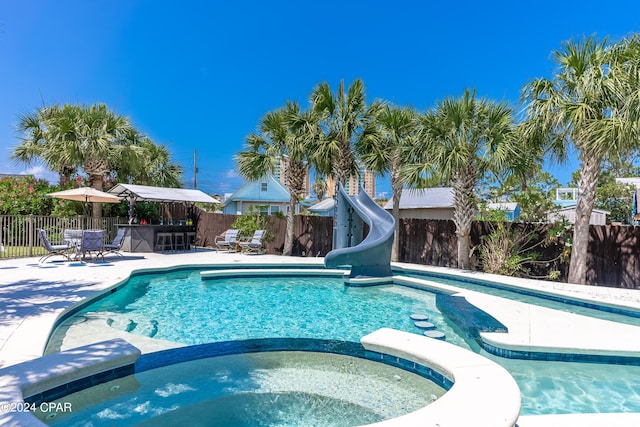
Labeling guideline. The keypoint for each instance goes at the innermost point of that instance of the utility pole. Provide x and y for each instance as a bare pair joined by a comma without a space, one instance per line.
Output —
195,170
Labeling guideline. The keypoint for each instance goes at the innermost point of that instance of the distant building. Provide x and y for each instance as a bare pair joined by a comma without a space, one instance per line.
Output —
629,181
566,196
598,216
364,178
566,200
426,203
14,175
323,207
510,209
266,196
281,171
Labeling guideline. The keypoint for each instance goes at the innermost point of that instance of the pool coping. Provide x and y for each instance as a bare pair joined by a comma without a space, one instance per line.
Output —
24,332
569,337
486,389
483,392
53,373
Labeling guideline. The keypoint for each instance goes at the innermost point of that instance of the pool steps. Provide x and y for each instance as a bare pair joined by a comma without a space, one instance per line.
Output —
56,375
272,272
296,272
469,318
483,392
486,390
428,329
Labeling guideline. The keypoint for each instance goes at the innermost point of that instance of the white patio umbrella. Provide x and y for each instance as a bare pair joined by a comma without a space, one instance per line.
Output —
87,195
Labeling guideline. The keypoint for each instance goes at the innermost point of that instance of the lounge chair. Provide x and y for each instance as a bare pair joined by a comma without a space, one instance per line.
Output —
255,244
228,240
64,250
115,246
91,242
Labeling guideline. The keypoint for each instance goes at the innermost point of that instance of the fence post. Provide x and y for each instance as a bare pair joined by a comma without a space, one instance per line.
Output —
30,234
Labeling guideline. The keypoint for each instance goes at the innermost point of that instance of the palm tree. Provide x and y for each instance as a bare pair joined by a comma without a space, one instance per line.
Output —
462,139
590,103
345,119
286,133
89,136
398,131
147,163
35,145
319,187
70,136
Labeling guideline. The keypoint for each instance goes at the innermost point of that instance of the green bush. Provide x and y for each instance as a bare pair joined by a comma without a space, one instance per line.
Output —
251,221
25,195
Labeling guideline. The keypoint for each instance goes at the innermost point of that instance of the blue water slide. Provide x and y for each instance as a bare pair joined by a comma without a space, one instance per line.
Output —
368,258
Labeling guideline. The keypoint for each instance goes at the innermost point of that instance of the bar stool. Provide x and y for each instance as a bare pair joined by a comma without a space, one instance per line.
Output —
178,241
164,241
191,239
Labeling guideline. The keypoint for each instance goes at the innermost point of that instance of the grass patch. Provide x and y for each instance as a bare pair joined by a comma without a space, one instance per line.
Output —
21,251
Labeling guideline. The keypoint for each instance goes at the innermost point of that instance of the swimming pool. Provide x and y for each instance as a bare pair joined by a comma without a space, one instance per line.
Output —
194,311
255,389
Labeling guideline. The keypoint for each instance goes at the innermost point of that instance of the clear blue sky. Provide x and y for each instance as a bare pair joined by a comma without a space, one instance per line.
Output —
200,74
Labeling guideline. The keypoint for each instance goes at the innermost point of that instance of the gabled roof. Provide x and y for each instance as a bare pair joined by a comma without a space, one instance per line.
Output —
251,191
323,205
503,206
573,207
425,198
630,181
160,194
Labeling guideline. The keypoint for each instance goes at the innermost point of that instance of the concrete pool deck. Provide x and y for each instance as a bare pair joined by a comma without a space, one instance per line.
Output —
33,295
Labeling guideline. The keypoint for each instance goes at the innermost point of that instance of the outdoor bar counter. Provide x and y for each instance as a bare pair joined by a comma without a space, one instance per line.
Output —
142,237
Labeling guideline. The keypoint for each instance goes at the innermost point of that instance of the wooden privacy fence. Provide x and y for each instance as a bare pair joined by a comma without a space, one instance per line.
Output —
613,260
312,236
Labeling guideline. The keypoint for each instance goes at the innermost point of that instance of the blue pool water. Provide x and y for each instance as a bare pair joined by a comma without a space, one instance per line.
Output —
280,389
193,311
181,307
263,389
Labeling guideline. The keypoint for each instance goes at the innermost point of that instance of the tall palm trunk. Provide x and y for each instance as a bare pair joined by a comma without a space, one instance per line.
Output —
396,190
589,169
464,212
343,164
96,182
96,168
288,236
295,184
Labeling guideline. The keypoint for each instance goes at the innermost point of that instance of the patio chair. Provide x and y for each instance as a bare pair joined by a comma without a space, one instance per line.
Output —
91,242
255,245
228,240
115,246
64,250
72,237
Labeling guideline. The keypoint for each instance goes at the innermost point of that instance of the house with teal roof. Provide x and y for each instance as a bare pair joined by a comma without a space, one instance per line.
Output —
266,196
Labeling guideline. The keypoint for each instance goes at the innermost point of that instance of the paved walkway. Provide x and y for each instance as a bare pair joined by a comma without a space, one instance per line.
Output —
33,295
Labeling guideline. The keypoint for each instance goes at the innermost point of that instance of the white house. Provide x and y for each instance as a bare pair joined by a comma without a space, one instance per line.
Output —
598,216
425,203
266,196
566,200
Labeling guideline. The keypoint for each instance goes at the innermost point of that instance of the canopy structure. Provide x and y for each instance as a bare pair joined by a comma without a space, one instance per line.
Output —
145,193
